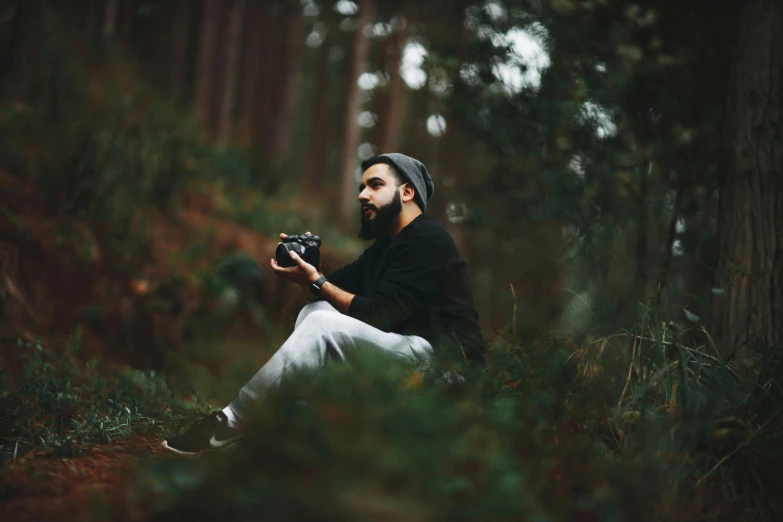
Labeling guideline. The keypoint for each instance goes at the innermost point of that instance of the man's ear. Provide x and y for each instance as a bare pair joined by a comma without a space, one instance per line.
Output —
408,192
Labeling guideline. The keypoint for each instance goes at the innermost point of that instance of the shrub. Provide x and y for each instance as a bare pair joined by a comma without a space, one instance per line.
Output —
634,426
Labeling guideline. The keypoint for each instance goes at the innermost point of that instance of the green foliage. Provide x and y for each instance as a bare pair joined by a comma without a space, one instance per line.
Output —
232,285
609,167
63,406
544,431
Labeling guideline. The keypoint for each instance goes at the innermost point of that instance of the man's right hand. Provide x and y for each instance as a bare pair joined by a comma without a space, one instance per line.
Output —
283,236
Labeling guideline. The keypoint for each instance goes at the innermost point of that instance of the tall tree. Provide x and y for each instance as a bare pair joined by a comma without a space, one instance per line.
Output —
226,122
127,24
257,28
360,54
206,59
12,29
318,144
750,226
391,117
272,70
179,47
290,80
109,27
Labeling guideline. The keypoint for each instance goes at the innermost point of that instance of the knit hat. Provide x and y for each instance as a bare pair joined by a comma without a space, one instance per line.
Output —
412,170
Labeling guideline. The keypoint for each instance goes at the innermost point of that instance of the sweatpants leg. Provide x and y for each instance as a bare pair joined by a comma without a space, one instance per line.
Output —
322,333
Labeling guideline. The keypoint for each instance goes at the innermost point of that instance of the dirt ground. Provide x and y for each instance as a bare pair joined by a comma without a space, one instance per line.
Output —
92,487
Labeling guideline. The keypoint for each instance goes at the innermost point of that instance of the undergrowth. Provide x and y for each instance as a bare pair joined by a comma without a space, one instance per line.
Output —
631,427
61,406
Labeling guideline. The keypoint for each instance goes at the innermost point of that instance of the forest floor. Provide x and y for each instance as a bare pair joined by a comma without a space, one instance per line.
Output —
93,486
40,304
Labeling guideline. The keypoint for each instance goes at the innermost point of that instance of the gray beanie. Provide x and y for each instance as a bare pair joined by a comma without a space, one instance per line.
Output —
411,169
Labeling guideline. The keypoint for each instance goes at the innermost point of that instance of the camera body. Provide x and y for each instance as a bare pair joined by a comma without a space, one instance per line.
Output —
308,247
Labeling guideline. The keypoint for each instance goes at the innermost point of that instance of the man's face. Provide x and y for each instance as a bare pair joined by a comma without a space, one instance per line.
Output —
380,200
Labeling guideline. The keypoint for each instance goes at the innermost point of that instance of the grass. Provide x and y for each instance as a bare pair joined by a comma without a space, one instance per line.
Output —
635,426
61,406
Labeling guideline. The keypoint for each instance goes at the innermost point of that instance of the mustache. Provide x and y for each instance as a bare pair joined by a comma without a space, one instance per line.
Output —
365,207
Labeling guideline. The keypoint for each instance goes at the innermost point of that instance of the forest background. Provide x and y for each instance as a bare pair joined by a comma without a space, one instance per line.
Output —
611,171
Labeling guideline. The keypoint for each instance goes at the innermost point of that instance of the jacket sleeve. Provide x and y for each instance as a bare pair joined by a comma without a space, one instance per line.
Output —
412,278
350,277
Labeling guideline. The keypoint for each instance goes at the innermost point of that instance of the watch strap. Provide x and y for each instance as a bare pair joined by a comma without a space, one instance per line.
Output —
315,288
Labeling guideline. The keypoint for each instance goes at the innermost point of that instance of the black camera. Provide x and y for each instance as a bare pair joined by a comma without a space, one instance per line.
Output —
306,246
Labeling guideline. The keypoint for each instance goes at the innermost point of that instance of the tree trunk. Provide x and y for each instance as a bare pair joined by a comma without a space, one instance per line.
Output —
750,226
204,77
291,81
179,48
109,28
93,16
391,118
319,114
643,231
127,24
13,36
232,72
452,145
257,15
272,70
361,50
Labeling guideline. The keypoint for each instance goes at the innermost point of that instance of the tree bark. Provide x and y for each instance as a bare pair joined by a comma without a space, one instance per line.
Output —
13,29
319,114
179,47
643,231
361,50
291,81
204,77
232,72
452,145
257,14
750,222
391,118
127,24
109,27
270,87
93,15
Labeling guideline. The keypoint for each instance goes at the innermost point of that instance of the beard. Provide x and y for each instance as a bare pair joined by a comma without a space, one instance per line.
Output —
384,217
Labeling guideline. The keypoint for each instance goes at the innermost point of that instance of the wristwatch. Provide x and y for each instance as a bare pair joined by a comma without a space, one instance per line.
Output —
315,288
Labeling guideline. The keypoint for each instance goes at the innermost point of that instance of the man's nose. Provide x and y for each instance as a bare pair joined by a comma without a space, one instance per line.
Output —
363,197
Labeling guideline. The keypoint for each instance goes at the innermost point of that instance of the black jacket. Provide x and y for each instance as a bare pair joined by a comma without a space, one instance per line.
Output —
416,284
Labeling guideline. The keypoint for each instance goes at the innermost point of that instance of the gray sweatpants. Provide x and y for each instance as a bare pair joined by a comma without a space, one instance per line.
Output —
322,333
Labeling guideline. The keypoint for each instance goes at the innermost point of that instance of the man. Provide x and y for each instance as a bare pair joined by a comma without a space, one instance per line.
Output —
408,295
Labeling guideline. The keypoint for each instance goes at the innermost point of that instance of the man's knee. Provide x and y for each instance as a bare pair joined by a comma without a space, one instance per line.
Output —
319,320
310,308
329,325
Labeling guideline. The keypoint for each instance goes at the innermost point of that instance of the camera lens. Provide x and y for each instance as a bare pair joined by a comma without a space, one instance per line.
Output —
282,253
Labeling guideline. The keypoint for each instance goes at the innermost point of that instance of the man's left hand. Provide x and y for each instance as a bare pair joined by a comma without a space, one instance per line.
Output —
303,274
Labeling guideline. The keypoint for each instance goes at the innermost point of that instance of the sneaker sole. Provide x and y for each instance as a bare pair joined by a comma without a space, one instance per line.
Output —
194,453
179,452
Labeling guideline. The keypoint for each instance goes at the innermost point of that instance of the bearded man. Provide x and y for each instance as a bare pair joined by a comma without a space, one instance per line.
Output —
407,296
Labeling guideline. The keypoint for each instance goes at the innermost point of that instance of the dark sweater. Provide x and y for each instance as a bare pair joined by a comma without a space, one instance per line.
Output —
416,284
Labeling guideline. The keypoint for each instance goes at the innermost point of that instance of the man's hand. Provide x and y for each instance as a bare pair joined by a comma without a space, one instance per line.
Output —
304,274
